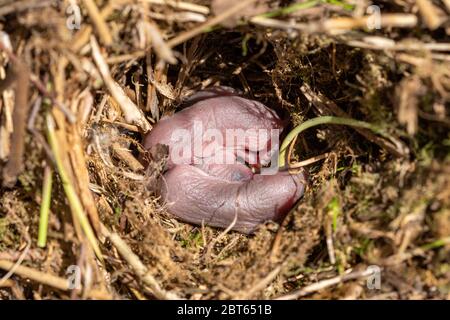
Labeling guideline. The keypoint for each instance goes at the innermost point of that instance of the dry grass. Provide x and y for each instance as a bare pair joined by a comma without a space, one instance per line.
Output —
371,201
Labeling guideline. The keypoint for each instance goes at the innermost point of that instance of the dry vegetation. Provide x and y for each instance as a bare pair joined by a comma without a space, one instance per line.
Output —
75,103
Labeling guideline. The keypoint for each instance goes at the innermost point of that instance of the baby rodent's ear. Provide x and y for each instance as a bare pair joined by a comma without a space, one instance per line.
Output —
155,161
158,152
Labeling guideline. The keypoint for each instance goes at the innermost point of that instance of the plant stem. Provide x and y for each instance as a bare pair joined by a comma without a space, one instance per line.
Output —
290,9
318,121
72,196
45,207
436,244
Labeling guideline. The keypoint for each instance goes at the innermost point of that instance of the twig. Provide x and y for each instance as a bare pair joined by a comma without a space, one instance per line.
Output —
19,75
290,9
185,36
399,20
220,236
155,38
447,4
330,241
139,268
275,23
326,283
125,57
69,189
181,5
337,25
82,36
45,207
400,257
309,161
81,178
40,86
291,148
429,14
131,112
277,240
16,265
126,156
100,24
152,99
380,43
260,285
39,137
49,280
126,126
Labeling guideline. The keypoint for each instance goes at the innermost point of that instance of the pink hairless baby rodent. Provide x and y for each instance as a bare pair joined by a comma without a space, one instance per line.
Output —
208,179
